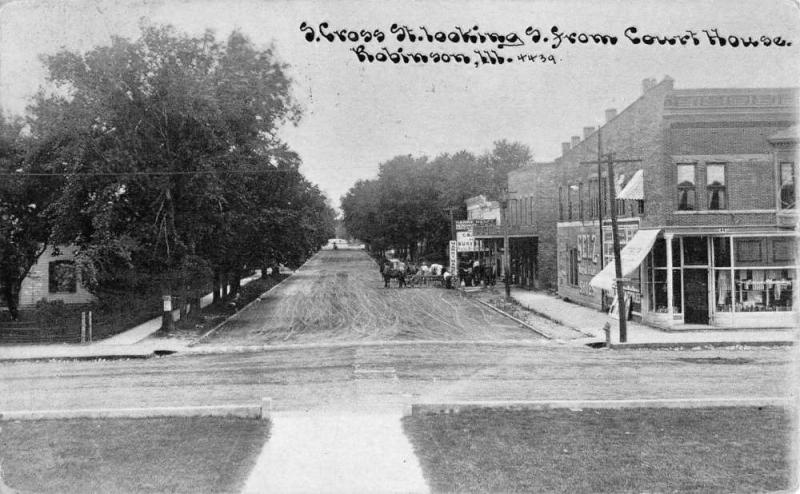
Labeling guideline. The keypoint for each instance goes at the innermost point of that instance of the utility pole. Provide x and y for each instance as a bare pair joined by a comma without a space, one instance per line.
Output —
506,245
600,209
453,238
612,193
451,210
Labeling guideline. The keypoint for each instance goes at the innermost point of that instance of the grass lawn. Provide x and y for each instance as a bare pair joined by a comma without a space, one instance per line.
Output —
600,450
189,455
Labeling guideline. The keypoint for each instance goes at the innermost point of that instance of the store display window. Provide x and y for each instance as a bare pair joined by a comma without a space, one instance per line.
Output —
763,290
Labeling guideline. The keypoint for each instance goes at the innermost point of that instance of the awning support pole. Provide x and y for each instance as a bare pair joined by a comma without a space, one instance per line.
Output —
670,282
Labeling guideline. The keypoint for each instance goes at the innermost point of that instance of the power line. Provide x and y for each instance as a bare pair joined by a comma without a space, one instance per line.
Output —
112,174
162,173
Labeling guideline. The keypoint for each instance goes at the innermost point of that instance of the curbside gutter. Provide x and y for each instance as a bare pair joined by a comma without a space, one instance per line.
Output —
458,407
261,412
535,330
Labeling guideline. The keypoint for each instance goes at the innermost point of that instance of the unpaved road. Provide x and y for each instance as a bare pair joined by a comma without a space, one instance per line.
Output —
340,296
356,376
350,344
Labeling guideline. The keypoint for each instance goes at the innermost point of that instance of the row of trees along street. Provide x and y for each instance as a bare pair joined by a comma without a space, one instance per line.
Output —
158,159
406,208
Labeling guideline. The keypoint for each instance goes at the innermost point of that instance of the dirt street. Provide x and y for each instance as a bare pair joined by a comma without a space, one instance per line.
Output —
355,376
340,296
333,338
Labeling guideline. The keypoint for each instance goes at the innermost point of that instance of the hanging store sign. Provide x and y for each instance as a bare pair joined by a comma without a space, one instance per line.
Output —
468,225
465,242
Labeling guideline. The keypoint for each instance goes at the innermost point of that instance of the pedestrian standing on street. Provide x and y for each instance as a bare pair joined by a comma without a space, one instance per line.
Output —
448,279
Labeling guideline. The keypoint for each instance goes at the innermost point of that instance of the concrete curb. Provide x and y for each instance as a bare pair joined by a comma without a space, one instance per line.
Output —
458,407
691,345
236,314
537,331
225,349
113,356
261,412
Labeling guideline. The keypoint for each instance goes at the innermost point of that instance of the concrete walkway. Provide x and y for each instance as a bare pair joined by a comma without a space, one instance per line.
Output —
590,322
142,331
341,452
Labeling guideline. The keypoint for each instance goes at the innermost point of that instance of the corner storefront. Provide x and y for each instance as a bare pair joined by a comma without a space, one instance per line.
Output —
690,280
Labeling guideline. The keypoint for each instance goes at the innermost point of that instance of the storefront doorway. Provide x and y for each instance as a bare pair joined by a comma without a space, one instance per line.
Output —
695,293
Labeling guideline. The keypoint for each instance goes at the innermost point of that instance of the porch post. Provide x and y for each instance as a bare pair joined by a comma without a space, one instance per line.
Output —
670,301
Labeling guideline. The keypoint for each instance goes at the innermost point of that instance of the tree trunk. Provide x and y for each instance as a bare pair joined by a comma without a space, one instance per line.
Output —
12,299
236,284
223,285
217,289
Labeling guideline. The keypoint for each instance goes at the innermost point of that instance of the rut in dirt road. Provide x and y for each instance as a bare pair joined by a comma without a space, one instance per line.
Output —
339,296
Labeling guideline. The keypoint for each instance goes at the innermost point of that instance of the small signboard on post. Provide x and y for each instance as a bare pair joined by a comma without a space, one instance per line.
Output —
453,254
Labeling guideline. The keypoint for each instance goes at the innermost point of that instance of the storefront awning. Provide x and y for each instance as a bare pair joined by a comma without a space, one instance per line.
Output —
635,188
631,255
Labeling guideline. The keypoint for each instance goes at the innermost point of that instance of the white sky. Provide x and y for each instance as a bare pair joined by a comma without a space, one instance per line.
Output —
358,115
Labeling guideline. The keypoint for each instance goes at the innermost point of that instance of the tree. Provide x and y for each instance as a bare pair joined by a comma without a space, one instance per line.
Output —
404,208
168,146
24,224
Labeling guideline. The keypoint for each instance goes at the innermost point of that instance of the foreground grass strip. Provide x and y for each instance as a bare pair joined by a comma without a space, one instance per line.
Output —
190,455
720,449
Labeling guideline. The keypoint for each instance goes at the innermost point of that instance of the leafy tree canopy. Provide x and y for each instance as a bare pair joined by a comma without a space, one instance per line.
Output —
172,167
405,207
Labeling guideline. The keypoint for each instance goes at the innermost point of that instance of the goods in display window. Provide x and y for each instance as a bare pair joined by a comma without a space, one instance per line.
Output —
763,290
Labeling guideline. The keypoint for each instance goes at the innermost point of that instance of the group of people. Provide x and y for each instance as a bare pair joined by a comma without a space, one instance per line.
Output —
416,274
471,273
475,273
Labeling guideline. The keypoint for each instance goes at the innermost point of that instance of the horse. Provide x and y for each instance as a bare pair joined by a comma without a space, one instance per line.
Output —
398,274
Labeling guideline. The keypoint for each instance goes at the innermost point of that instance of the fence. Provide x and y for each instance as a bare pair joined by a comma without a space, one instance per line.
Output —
73,328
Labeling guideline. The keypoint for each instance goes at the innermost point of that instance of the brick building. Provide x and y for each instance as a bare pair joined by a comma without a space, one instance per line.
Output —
526,223
707,213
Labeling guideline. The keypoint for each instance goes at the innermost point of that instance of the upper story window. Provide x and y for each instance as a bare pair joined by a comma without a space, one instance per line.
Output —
787,185
560,203
569,201
686,187
593,198
604,197
715,184
62,277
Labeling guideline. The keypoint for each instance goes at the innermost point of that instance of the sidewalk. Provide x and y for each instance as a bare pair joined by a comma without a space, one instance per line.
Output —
590,322
352,453
132,343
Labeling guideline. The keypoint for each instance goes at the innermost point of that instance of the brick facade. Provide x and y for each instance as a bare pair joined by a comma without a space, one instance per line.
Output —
728,138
